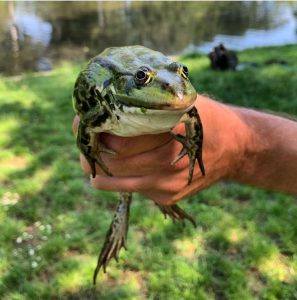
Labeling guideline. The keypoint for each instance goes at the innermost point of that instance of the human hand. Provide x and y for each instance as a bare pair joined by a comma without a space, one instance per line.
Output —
143,163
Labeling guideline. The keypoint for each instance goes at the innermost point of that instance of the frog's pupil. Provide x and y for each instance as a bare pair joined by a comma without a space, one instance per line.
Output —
185,69
140,75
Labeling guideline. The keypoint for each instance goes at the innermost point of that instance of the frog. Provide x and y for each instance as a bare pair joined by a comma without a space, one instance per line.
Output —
132,91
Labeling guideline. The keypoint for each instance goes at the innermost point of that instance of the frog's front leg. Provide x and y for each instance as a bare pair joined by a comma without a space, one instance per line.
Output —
89,144
192,142
192,146
116,236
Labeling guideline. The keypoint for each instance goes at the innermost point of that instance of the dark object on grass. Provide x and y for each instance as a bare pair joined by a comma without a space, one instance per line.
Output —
269,62
276,61
222,59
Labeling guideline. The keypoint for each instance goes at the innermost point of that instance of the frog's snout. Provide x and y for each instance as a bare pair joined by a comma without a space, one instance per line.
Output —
180,95
173,90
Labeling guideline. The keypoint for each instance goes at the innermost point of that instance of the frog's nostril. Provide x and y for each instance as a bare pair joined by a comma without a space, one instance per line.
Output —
169,88
165,85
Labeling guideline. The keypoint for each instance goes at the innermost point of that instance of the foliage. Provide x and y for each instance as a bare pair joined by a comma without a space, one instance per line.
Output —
53,224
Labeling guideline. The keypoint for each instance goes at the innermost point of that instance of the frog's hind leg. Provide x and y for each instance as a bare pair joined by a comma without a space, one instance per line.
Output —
176,213
116,236
192,142
91,147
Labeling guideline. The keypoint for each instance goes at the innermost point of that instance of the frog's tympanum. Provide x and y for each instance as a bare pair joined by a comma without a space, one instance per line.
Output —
130,91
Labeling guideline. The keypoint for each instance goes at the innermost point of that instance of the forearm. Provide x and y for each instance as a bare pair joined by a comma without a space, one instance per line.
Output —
269,158
238,144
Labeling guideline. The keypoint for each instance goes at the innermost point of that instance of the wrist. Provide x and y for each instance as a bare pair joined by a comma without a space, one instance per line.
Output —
228,139
256,151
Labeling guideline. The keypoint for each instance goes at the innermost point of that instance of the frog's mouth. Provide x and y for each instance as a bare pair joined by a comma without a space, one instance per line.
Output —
179,103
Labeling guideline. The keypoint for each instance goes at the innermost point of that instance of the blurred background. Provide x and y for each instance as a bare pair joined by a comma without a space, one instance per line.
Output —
35,35
53,224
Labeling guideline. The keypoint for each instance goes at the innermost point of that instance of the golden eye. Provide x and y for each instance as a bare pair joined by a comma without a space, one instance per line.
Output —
143,76
183,71
180,69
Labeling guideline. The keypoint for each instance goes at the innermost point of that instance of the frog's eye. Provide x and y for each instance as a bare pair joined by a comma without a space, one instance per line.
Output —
183,71
180,69
143,76
140,75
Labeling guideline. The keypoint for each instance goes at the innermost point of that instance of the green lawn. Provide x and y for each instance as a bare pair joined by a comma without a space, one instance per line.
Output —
52,223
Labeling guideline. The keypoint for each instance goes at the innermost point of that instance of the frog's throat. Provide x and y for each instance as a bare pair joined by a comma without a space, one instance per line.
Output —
135,121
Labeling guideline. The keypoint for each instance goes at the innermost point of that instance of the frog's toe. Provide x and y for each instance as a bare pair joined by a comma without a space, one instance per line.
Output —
111,249
102,148
194,152
101,164
99,148
182,153
176,213
191,149
185,149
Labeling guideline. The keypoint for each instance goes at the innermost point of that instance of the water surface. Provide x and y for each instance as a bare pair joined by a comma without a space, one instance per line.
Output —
36,35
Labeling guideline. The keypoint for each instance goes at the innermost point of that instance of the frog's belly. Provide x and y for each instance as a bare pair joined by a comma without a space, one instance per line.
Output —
133,122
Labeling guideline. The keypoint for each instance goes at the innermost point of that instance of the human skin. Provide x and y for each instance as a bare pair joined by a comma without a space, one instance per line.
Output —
239,144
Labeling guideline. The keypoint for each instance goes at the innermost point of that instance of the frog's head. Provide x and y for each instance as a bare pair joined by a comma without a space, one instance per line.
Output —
163,87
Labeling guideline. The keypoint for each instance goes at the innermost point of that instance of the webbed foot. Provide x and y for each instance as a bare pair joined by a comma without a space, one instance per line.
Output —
192,142
116,236
176,213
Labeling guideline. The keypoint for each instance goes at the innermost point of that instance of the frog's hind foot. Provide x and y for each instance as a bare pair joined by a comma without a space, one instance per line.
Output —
192,142
116,236
111,248
176,213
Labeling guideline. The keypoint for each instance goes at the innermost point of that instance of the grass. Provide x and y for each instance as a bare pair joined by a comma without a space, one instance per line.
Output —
53,224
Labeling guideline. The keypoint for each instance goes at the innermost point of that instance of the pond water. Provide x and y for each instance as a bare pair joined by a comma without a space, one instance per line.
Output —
36,35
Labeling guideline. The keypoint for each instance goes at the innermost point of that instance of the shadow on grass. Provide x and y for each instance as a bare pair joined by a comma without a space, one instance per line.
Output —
246,238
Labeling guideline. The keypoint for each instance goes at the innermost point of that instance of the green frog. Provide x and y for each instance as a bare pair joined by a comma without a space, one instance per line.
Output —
131,91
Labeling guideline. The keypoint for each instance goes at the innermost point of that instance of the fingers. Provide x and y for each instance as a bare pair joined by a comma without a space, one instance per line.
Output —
121,184
132,145
142,164
126,147
163,188
143,185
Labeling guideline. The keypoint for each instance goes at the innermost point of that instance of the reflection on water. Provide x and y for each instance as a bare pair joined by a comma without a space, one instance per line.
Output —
34,35
283,32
